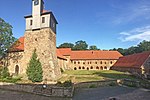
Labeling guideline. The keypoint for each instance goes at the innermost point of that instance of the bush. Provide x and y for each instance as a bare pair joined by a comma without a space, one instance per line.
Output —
67,83
92,86
34,69
4,73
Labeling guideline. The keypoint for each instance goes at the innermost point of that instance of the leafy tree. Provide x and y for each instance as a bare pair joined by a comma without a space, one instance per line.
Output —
6,37
66,45
34,69
143,46
93,47
80,45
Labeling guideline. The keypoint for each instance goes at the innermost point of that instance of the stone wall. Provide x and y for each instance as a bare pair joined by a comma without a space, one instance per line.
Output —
50,90
96,84
44,41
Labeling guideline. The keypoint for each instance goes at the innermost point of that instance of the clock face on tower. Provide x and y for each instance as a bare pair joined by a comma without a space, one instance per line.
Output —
36,2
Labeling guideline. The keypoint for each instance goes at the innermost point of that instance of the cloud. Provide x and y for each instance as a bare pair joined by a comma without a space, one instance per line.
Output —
131,13
137,34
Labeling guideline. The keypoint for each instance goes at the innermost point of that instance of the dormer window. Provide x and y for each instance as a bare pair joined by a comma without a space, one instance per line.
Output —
43,19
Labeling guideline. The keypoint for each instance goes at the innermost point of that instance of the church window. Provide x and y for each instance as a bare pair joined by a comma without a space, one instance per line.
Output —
43,19
31,22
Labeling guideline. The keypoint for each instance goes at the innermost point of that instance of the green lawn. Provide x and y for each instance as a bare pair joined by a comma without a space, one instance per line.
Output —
85,75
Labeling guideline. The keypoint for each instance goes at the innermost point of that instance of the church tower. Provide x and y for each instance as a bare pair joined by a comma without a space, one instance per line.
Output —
40,34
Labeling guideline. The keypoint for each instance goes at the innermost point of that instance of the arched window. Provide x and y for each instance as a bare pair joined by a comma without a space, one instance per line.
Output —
17,70
105,67
78,62
97,67
79,67
87,68
111,62
83,67
101,68
101,62
75,68
91,67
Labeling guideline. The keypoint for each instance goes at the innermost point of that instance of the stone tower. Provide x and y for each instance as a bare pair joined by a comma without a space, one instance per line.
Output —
40,34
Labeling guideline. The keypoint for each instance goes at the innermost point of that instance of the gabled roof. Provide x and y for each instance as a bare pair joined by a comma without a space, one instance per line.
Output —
90,54
59,55
135,60
65,51
18,45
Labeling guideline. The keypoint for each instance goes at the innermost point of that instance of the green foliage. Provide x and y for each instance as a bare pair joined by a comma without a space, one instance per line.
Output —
93,47
6,37
67,83
92,86
141,47
34,69
66,45
4,73
80,45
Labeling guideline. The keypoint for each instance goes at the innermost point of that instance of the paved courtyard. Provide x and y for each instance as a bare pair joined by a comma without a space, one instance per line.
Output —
102,93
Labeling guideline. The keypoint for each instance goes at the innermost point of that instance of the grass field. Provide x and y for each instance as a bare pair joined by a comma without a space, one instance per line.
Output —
84,75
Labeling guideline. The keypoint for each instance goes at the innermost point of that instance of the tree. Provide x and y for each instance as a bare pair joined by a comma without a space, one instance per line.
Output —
34,69
143,46
66,45
6,37
80,45
93,47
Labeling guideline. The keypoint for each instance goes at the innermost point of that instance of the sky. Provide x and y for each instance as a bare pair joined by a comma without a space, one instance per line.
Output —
105,23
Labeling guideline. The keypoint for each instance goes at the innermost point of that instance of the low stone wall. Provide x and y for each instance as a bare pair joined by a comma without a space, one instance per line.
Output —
96,84
132,83
47,90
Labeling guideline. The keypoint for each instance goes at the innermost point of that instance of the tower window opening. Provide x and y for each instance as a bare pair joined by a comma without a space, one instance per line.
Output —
31,22
43,19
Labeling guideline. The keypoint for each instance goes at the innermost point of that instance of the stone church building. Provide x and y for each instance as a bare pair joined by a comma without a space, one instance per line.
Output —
40,34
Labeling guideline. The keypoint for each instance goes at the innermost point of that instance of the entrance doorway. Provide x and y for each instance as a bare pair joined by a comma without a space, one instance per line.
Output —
17,70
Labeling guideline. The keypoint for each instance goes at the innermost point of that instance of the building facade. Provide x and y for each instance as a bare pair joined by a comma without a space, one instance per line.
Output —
89,59
137,64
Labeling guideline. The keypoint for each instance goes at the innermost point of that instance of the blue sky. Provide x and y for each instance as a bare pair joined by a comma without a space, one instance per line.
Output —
105,23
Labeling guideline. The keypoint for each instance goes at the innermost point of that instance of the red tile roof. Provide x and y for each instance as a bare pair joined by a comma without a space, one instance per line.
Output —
65,51
59,55
95,55
135,60
18,45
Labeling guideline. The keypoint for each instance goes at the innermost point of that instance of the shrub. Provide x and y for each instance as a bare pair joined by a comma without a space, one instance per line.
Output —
67,83
4,73
92,86
34,69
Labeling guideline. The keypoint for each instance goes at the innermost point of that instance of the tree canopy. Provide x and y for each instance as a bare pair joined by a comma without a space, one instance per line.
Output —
6,36
66,45
142,46
93,47
80,45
